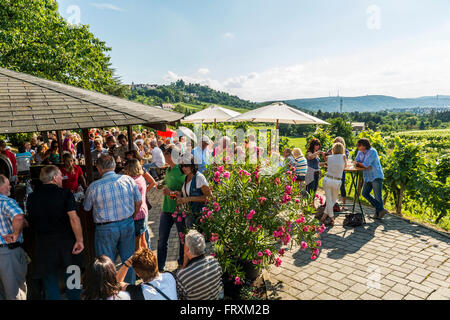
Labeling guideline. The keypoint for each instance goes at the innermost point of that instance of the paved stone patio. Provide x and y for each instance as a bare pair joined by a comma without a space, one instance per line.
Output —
390,260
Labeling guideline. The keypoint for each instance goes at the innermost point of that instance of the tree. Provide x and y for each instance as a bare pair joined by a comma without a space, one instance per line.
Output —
35,39
340,128
405,165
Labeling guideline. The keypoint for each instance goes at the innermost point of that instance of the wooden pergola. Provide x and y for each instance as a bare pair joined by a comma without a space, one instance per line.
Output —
32,104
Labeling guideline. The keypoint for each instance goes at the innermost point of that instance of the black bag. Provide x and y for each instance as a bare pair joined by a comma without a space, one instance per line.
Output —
354,220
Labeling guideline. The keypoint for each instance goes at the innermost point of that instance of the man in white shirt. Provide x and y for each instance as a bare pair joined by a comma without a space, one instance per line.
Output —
202,154
157,160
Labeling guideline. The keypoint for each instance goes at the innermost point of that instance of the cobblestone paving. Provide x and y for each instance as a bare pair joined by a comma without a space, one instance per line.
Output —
390,260
155,198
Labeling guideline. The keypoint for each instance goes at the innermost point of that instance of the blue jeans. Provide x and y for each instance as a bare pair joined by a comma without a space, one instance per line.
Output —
343,191
117,236
141,226
377,186
166,222
313,185
151,167
51,288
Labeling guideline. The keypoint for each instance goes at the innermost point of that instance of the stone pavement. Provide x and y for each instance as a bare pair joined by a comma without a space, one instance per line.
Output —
390,259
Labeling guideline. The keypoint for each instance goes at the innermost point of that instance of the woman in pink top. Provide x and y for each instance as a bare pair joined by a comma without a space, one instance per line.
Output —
68,144
133,168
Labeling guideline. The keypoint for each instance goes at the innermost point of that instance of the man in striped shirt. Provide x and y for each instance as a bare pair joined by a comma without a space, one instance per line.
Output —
201,276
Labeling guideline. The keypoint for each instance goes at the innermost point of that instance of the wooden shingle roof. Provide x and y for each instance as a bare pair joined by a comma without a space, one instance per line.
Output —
31,104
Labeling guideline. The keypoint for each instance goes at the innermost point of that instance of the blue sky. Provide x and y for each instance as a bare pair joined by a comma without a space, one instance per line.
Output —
273,50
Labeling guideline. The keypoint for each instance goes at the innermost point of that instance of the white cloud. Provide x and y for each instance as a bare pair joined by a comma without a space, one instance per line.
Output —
107,6
228,35
203,71
401,72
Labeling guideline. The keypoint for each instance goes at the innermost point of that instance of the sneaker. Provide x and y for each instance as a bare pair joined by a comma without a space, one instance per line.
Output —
382,213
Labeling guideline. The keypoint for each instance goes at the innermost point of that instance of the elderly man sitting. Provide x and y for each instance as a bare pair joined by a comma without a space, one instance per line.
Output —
201,275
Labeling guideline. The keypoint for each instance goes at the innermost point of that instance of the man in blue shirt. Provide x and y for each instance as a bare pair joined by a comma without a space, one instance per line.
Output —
115,200
201,154
368,159
13,262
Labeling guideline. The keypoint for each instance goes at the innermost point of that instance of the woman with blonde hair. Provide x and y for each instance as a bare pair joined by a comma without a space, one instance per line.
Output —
134,169
333,179
300,164
347,154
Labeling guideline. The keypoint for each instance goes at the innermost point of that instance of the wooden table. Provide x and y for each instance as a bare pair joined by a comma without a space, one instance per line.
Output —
355,182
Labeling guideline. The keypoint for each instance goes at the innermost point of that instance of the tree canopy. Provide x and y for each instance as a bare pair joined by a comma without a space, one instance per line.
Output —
35,39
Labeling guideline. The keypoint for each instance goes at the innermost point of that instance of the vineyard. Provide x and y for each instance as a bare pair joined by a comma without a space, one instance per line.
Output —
416,165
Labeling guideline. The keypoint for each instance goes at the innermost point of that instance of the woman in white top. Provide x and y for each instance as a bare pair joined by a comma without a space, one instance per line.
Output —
155,285
333,179
193,196
100,281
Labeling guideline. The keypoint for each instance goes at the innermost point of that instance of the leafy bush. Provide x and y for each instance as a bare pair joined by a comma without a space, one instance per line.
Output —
324,137
254,214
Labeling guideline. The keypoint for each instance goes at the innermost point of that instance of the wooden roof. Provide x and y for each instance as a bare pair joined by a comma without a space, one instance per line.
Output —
31,104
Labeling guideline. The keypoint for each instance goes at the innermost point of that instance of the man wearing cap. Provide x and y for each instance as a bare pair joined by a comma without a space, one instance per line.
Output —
202,154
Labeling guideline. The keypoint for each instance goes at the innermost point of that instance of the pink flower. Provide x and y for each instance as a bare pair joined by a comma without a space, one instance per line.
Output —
248,174
236,211
278,262
214,237
281,252
288,189
268,252
204,209
305,228
300,220
294,178
251,214
179,219
260,254
183,214
319,243
226,174
261,200
304,245
313,257
213,254
237,281
217,209
297,200
255,261
316,252
220,169
277,181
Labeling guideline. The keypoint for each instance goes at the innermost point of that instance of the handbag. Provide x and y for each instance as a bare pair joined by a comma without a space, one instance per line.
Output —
354,220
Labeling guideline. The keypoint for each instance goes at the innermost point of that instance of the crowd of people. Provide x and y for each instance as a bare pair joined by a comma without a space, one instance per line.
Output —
120,208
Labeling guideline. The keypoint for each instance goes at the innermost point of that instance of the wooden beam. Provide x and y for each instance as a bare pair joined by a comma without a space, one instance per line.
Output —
130,136
87,156
60,149
157,126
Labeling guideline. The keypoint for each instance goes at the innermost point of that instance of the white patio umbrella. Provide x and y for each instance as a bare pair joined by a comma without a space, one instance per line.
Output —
183,131
211,114
278,112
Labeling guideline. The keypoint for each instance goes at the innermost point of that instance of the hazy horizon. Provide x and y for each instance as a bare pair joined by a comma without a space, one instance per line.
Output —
263,50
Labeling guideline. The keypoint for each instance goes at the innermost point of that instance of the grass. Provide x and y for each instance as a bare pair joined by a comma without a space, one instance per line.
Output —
298,142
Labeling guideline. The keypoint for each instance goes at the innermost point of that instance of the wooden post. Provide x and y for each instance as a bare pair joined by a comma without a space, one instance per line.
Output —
87,156
58,138
130,136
